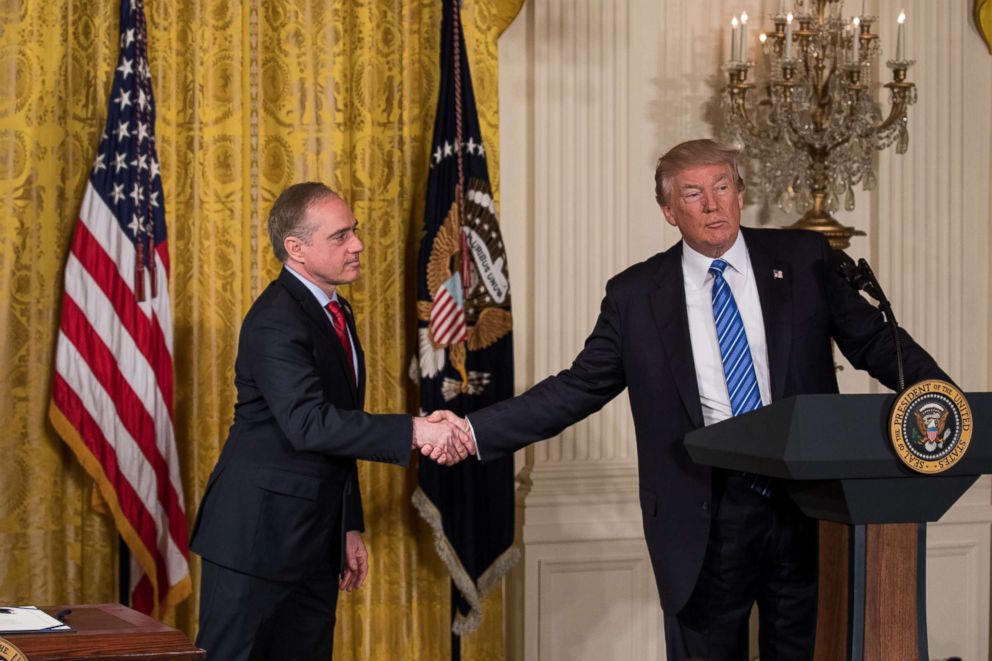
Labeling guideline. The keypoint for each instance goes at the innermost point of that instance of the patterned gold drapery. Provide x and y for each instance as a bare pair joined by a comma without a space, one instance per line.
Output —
250,97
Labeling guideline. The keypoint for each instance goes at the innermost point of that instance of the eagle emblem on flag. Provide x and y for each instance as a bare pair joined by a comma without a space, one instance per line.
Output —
470,305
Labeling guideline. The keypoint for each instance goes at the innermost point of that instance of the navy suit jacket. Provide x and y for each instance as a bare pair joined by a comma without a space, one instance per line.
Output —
641,342
285,487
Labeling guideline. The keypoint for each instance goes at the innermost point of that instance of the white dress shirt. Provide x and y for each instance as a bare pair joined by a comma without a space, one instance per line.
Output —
710,379
323,299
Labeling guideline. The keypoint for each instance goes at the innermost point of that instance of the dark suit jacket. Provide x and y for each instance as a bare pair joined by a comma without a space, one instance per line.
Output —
641,341
285,486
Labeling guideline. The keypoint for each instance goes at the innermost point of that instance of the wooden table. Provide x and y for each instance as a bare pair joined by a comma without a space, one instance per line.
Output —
110,632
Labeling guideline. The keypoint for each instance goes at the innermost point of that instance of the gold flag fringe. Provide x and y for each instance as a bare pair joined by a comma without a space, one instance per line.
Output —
473,593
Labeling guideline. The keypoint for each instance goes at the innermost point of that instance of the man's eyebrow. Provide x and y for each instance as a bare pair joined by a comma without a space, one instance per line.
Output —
345,230
720,179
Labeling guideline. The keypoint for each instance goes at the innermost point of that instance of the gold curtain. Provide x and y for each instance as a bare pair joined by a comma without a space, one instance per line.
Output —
250,97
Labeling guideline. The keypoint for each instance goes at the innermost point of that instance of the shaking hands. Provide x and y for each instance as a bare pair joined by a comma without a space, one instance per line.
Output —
444,437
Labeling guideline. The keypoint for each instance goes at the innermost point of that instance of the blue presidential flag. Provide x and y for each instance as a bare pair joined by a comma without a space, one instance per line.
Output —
465,353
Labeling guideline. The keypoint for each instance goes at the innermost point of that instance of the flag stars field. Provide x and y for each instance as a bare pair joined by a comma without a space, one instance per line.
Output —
125,67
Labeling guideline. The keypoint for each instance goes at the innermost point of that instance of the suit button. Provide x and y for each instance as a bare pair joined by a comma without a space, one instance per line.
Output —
705,506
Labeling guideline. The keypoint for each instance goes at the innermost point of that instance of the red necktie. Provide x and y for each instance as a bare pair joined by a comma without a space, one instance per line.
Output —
341,328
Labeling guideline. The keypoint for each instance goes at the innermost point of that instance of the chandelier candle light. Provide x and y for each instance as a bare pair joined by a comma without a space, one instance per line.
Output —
813,134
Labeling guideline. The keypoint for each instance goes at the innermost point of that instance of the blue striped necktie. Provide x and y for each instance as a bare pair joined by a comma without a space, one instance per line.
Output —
738,367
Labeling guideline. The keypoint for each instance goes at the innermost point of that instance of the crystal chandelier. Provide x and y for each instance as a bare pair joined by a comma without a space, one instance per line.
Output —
812,134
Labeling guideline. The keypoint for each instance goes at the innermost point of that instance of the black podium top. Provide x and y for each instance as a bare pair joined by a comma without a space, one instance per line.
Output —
835,452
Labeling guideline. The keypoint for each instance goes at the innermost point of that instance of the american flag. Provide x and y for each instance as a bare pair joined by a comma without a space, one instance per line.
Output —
447,320
112,388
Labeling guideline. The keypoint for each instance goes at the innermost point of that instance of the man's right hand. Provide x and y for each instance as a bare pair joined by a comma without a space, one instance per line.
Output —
443,437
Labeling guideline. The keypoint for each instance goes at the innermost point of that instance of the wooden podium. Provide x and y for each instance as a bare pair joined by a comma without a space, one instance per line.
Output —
835,461
110,632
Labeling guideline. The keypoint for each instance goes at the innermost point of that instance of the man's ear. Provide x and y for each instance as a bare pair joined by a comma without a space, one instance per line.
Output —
293,247
669,214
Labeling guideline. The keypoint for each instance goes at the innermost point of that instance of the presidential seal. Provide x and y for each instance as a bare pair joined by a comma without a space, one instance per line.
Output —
930,426
10,653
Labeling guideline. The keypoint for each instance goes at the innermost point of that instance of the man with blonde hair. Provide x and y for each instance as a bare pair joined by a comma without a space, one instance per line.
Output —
727,320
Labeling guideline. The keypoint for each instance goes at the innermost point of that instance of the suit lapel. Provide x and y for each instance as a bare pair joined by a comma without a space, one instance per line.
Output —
359,352
672,320
319,316
774,280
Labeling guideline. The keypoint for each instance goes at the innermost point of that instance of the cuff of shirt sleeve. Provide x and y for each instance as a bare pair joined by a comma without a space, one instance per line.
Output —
471,430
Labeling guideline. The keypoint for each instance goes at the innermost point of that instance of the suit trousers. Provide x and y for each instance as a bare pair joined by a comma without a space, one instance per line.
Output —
247,618
761,550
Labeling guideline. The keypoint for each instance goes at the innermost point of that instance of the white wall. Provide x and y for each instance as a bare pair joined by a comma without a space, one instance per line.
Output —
592,92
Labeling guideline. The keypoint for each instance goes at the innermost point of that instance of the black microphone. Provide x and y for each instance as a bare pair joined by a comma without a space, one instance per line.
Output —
859,276
862,278
840,262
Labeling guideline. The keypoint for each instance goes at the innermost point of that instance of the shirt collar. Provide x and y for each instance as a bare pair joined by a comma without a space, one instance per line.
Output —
696,266
317,292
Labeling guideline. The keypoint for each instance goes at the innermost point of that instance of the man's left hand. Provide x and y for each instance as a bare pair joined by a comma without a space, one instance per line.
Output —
356,562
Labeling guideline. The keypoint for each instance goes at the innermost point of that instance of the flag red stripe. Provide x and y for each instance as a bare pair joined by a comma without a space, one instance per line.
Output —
443,307
449,312
89,431
443,330
131,411
146,334
455,334
452,326
456,331
142,599
162,250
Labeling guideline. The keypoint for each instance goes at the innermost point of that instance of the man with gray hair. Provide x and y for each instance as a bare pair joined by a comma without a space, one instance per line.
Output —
279,527
727,320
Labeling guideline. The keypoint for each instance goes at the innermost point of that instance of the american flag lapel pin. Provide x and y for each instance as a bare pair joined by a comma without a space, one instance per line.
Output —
777,274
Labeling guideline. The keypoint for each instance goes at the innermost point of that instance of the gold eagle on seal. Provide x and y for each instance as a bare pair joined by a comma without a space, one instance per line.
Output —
931,422
459,243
